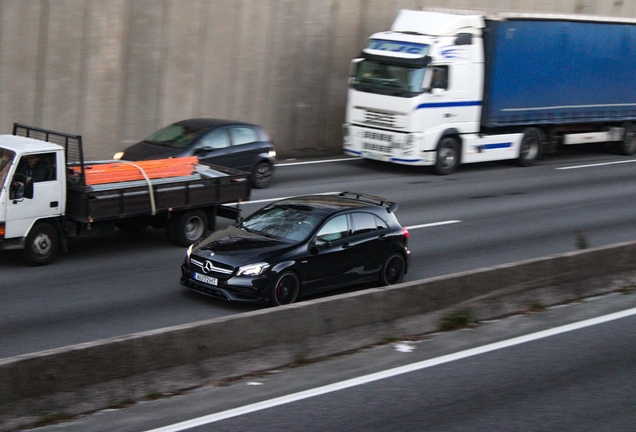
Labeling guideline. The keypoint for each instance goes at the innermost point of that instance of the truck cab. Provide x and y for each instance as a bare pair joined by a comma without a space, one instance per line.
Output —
32,189
414,84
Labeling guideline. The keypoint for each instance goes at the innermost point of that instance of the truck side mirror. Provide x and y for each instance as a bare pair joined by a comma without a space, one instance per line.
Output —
353,69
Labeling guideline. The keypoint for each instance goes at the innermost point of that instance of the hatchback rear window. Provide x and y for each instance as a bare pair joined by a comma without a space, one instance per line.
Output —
243,135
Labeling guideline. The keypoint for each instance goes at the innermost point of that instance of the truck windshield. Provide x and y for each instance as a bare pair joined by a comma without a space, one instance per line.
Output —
384,78
6,158
175,136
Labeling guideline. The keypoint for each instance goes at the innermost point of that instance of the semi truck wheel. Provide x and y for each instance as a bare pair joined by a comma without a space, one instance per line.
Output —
447,156
187,227
530,149
627,147
42,244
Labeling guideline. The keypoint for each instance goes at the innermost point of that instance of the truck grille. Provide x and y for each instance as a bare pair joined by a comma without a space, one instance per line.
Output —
377,136
379,118
377,147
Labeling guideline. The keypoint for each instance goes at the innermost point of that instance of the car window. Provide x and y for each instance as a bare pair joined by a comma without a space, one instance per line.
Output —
214,140
281,222
175,136
366,222
243,135
334,229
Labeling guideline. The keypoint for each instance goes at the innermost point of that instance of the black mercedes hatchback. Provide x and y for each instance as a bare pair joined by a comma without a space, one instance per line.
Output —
233,144
300,246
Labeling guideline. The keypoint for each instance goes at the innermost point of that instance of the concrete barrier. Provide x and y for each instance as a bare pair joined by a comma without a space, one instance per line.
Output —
90,376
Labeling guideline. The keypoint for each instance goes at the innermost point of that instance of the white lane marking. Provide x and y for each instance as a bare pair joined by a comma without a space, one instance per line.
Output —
432,224
281,198
200,421
404,347
317,162
597,164
412,227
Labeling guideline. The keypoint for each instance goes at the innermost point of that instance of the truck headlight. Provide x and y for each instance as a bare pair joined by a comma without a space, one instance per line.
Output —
252,269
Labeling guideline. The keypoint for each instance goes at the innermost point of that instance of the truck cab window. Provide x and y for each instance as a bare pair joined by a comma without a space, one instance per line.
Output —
439,77
385,78
36,166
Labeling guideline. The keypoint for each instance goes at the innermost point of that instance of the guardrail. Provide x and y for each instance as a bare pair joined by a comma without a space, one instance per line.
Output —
90,376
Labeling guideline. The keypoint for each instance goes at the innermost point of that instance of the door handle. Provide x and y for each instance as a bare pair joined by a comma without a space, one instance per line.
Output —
347,245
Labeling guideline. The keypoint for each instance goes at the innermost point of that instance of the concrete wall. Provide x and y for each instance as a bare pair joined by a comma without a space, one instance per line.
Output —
116,70
95,375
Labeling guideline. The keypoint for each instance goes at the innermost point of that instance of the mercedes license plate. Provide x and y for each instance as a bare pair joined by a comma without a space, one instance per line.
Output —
206,279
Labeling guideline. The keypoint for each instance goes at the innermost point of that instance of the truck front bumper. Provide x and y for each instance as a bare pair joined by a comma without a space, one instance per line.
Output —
385,146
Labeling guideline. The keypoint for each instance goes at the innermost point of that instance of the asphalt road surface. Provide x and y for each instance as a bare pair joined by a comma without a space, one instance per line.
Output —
563,369
483,215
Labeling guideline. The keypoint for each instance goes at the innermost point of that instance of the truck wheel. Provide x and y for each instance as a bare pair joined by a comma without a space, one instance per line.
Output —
447,156
187,227
42,244
627,147
530,148
262,175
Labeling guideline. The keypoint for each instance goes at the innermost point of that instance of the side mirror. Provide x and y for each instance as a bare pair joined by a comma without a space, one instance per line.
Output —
203,150
320,244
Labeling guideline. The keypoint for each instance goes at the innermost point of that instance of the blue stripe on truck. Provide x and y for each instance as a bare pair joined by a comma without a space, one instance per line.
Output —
448,104
497,146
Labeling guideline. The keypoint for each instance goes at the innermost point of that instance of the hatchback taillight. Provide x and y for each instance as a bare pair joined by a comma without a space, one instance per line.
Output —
405,232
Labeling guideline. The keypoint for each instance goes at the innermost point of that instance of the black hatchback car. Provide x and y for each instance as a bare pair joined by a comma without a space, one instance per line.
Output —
227,143
300,246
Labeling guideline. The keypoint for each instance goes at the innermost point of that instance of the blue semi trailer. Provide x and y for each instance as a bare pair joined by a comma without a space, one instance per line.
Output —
444,88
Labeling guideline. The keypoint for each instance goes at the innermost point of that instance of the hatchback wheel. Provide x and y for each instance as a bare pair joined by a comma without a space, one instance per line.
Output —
285,290
393,270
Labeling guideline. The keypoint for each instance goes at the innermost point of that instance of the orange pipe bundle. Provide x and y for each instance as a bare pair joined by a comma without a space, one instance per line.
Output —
129,171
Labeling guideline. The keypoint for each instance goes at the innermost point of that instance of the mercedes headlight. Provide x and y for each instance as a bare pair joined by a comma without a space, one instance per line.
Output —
252,269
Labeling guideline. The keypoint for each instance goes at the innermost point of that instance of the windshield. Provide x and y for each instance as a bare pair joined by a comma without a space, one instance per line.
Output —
373,76
282,222
6,158
175,136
